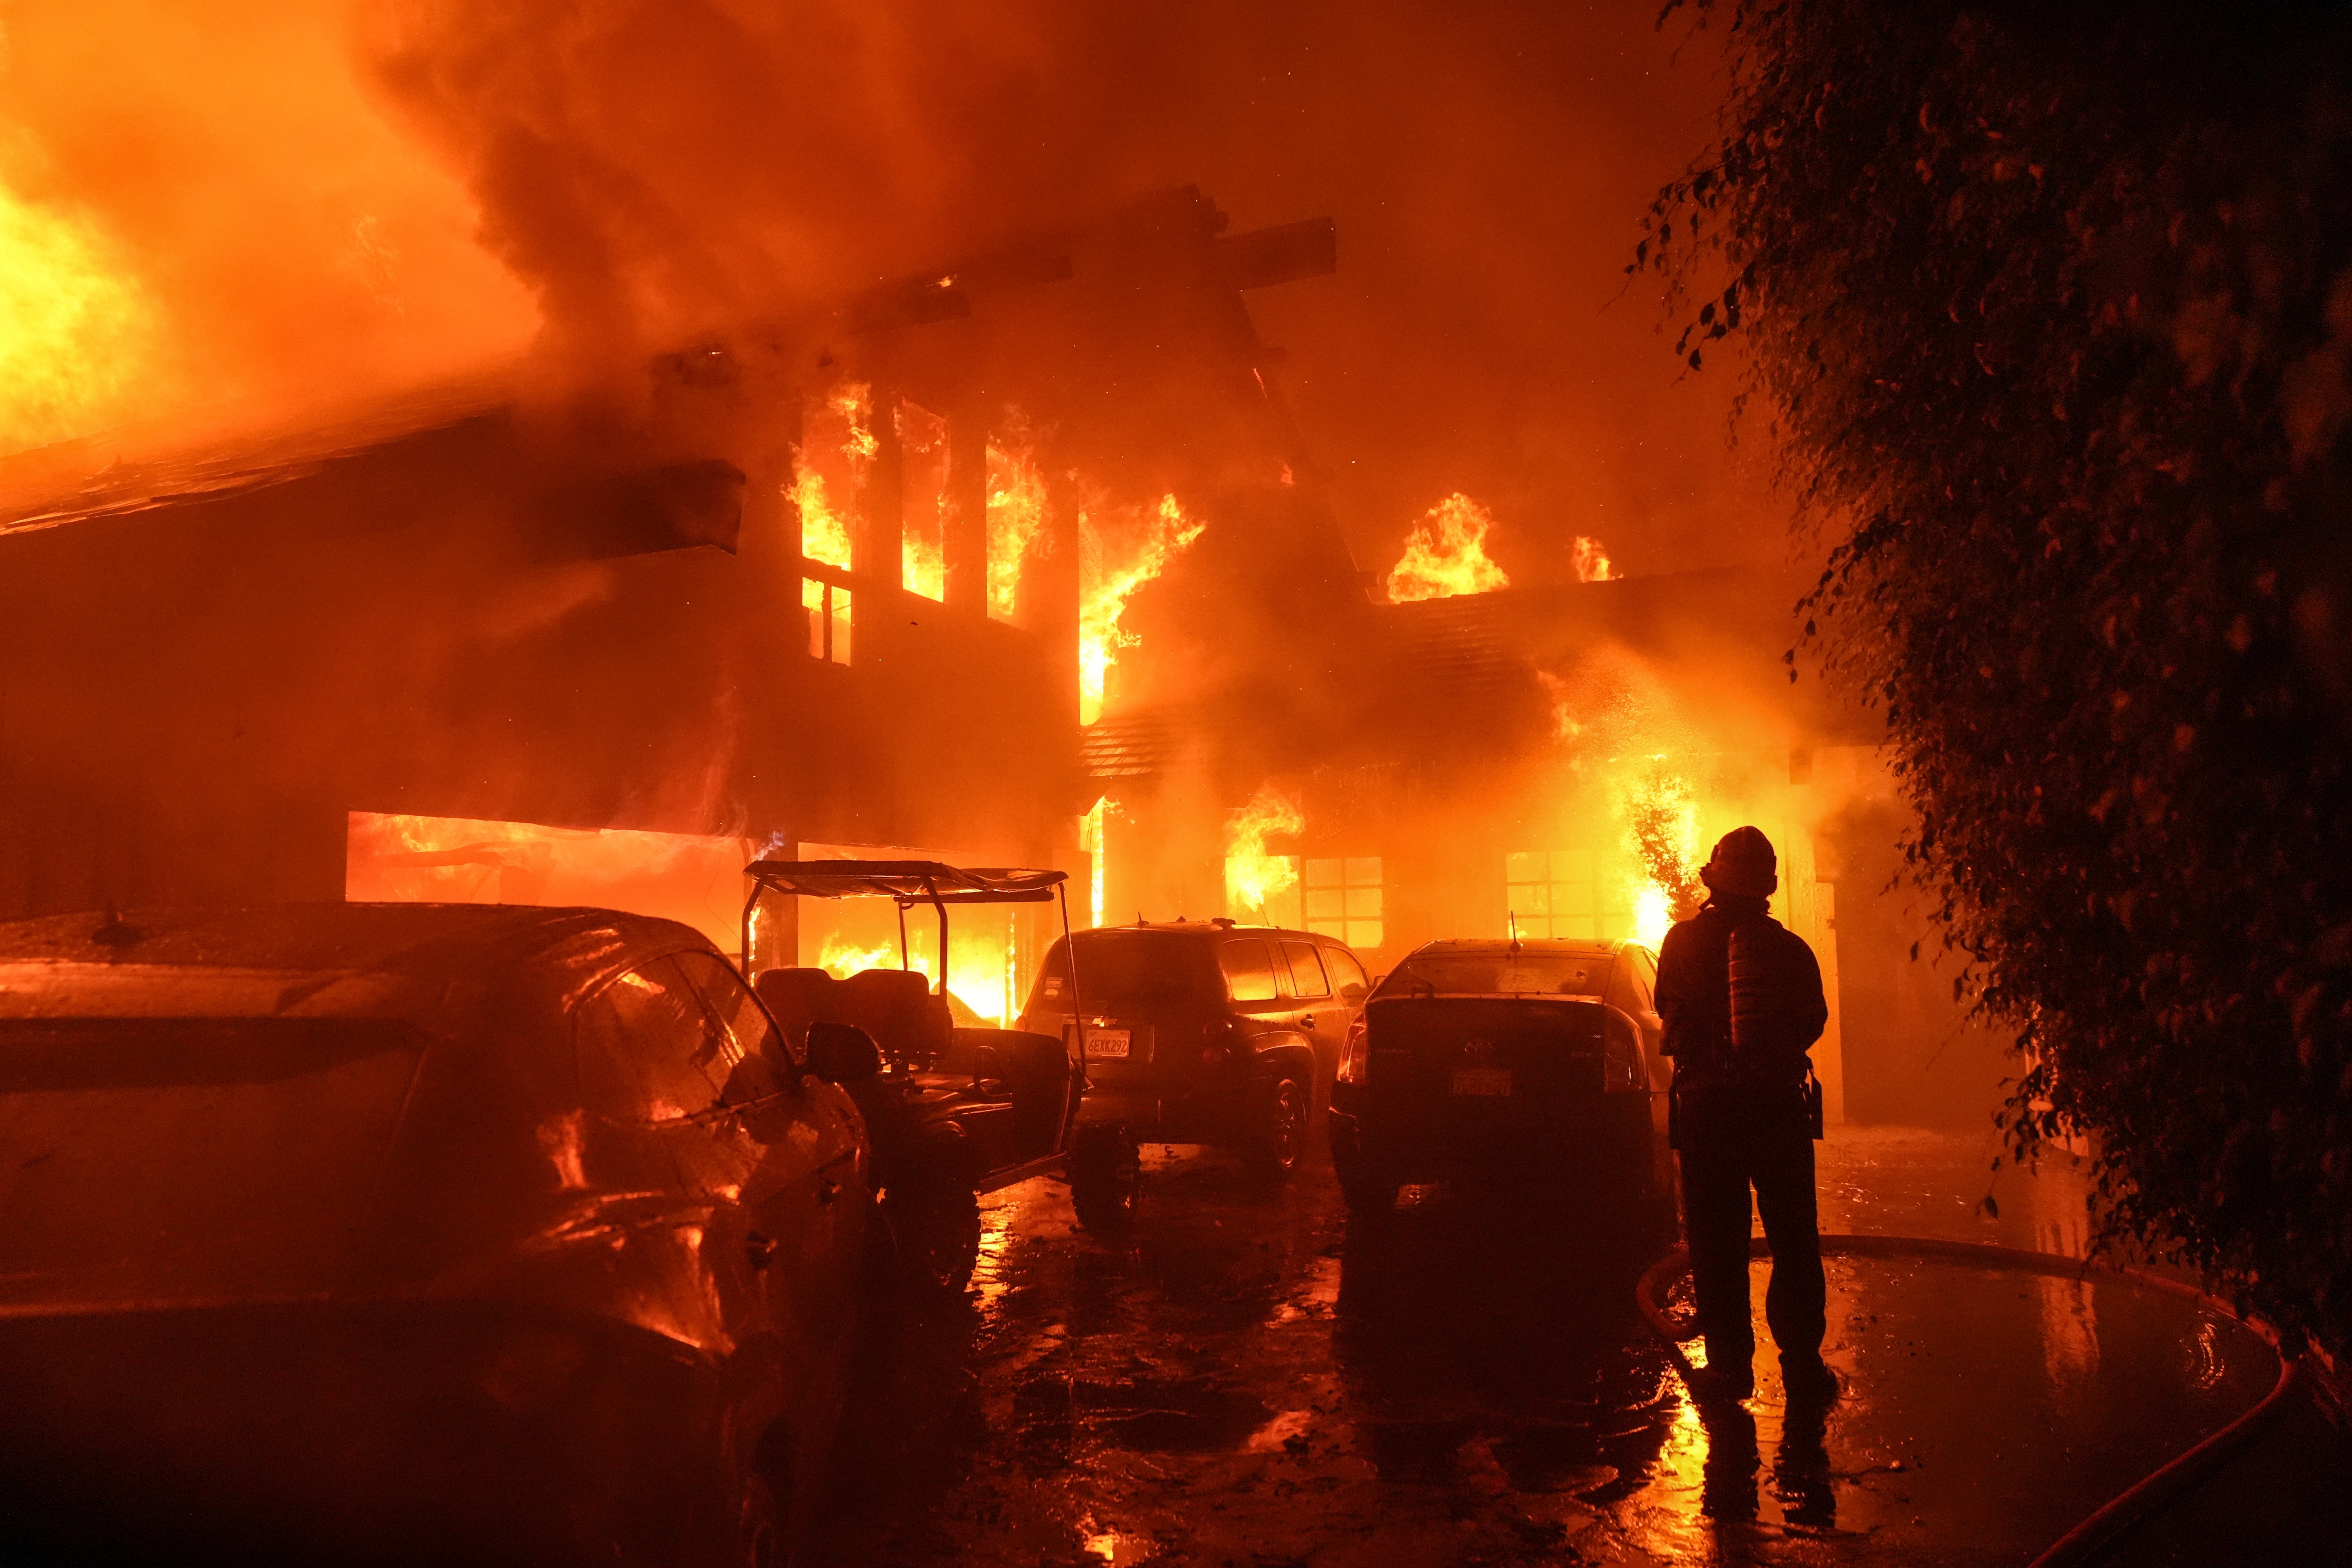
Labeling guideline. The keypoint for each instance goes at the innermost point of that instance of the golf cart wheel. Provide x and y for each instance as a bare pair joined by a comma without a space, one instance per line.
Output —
1279,1141
1105,1176
934,1237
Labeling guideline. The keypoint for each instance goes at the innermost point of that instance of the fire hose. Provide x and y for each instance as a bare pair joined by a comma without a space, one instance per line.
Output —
2090,1539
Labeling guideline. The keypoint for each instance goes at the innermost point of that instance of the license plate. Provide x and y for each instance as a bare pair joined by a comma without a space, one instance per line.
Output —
1482,1081
1108,1042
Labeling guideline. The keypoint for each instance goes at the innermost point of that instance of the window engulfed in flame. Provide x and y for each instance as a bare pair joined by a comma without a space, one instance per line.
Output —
1445,554
829,468
1253,874
1016,517
928,502
1591,558
76,330
1122,551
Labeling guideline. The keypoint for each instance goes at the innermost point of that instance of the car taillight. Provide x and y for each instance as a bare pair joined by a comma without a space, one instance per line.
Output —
1352,1054
1621,1056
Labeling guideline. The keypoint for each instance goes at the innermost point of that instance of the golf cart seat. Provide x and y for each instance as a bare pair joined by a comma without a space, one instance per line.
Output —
893,1006
911,1027
898,1009
799,997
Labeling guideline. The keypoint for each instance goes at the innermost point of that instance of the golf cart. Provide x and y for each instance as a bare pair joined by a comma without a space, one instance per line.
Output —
953,1112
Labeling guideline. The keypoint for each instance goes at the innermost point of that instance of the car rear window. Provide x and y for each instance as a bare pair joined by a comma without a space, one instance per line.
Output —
1124,968
1499,974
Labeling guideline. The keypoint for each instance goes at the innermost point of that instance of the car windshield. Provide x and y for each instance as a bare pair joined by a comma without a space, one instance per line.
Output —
1505,974
162,1158
1125,967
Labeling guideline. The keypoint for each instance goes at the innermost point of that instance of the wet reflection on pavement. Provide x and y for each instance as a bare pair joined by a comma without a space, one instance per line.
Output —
1248,1379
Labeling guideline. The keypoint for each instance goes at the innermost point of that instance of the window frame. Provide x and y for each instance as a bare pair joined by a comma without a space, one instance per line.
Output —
1350,924
627,1033
836,607
1290,947
1346,955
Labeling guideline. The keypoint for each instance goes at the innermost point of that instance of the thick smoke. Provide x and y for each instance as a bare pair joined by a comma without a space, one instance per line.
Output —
306,201
201,209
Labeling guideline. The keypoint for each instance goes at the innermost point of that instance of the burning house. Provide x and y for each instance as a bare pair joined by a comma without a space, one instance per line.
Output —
1440,754
1015,560
813,582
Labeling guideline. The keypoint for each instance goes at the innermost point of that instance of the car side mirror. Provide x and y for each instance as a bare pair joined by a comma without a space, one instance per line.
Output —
842,1053
1351,993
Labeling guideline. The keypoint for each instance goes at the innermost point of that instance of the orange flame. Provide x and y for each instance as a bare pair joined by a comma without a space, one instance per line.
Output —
1104,588
837,434
1591,559
76,332
1252,874
929,503
978,967
1662,836
1016,517
842,958
1445,554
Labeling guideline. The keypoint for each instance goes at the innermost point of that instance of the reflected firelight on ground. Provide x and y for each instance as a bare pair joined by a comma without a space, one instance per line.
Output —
1247,1376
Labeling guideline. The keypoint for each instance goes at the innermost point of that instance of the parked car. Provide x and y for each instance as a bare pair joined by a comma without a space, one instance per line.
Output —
412,1233
953,1112
1195,1033
1533,1063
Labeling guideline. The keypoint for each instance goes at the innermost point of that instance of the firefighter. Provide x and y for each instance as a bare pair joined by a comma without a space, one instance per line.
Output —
1741,997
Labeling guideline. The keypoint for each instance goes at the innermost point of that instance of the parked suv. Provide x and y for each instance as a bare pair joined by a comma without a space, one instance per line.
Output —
1195,1033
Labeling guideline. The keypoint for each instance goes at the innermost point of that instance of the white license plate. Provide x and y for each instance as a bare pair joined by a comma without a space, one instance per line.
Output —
1108,1042
1482,1081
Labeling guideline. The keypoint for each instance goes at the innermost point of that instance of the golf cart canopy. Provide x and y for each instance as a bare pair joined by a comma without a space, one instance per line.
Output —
910,882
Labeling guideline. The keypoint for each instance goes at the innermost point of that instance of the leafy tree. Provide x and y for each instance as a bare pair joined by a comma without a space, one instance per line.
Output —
2051,309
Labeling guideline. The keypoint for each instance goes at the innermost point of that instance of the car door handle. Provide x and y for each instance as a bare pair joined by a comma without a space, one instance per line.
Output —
759,1249
827,1189
1307,1021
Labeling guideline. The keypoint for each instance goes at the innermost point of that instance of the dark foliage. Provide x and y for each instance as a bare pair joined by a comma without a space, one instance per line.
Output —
2052,308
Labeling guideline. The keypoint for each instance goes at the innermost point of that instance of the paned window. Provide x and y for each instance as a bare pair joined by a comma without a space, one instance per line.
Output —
1557,894
1343,899
828,604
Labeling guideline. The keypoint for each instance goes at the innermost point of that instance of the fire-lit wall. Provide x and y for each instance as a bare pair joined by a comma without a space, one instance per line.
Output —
204,685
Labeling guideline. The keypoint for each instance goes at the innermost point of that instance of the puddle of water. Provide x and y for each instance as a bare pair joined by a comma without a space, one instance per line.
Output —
1982,1406
1278,1432
1117,1548
1055,1414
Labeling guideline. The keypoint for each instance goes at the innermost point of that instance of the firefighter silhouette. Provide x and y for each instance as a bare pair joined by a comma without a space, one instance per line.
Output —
1741,997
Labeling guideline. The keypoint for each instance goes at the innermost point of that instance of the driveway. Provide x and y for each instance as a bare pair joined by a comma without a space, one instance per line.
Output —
1248,1379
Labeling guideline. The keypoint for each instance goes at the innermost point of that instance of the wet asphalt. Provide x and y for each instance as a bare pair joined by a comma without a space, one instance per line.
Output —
1247,1378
